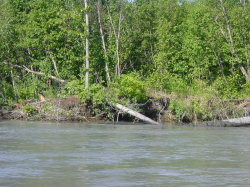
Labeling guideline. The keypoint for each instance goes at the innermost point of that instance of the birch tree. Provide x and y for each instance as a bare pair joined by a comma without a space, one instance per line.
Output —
103,41
86,44
117,34
228,34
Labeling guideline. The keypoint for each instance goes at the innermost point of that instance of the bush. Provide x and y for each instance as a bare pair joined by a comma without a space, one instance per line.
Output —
130,87
7,91
96,95
227,87
49,93
245,91
29,88
202,102
180,109
170,83
95,92
74,87
30,110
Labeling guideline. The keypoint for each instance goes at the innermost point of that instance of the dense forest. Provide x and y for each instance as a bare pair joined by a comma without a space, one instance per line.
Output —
195,53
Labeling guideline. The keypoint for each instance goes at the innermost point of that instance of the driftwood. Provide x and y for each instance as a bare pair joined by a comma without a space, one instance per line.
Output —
242,120
234,122
134,113
35,72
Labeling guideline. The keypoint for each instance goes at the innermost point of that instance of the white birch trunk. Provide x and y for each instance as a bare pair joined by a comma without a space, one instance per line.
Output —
54,64
117,41
103,42
87,45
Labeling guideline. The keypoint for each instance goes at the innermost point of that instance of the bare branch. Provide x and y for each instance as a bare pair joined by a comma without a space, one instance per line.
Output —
35,72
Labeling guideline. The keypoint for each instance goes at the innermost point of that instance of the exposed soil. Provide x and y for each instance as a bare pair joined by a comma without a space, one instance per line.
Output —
72,109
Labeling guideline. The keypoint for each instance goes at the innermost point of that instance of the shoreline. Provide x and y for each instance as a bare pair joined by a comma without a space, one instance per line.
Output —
12,115
157,110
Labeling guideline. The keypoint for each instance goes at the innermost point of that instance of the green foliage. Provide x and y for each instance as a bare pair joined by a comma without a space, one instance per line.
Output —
179,109
29,88
245,91
183,49
74,87
7,91
131,87
30,110
201,102
96,94
228,87
47,107
194,109
167,82
99,98
49,92
77,87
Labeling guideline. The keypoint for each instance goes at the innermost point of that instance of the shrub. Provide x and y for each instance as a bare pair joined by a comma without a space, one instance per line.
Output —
74,87
96,95
180,109
167,82
227,87
30,87
245,91
202,102
130,87
7,92
30,110
49,93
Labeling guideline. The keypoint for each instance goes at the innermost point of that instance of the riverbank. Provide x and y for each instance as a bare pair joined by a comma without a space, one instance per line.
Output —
158,108
72,108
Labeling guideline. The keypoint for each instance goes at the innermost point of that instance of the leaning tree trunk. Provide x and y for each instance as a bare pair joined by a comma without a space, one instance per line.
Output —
134,113
229,37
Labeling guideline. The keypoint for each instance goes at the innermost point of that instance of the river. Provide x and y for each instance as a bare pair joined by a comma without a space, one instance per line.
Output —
77,154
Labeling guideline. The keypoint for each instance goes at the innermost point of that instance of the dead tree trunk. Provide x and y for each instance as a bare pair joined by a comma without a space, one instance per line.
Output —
134,113
242,120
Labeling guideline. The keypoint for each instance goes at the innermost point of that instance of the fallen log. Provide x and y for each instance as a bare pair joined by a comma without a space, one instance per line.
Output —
223,124
242,120
134,113
234,122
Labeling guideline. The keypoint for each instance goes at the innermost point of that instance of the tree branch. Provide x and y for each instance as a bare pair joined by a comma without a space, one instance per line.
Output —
35,72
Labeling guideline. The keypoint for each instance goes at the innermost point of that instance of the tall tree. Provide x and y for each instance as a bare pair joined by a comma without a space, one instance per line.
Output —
87,44
103,41
116,29
228,34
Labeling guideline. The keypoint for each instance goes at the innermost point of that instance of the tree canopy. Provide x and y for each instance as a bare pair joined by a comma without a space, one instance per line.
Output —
207,40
